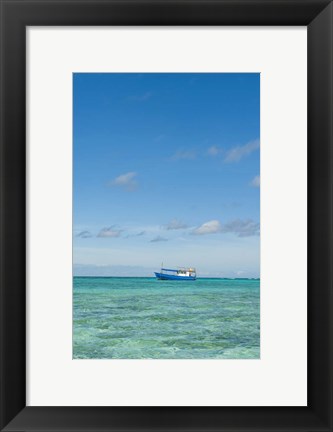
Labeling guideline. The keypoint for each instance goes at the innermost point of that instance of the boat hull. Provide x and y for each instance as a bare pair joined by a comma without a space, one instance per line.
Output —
164,276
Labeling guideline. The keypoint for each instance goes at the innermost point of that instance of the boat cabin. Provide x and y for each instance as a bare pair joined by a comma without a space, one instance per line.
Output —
186,272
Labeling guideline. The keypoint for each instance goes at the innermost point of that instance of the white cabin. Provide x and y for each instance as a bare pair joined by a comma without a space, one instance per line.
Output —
186,272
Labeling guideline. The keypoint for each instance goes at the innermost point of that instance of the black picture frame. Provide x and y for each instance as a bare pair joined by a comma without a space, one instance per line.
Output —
16,15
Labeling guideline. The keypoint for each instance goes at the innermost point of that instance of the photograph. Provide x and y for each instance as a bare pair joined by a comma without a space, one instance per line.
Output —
166,216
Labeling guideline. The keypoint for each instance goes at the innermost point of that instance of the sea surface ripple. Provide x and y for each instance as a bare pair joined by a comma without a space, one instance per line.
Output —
144,318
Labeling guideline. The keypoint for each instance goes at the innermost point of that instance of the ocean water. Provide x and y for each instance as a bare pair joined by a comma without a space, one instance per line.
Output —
144,318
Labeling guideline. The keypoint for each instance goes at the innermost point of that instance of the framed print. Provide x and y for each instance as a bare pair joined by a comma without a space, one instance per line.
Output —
166,215
178,330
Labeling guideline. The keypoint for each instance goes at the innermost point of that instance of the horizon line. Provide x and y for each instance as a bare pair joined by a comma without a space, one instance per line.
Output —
153,277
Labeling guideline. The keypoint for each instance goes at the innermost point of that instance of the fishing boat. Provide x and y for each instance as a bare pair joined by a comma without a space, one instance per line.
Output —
181,273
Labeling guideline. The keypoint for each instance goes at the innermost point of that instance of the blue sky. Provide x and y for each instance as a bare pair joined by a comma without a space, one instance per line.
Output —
166,169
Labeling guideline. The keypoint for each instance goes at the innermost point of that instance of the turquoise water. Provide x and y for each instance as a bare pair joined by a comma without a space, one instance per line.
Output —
136,318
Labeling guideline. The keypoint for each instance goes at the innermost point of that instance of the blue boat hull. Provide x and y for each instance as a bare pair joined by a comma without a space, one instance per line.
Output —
164,276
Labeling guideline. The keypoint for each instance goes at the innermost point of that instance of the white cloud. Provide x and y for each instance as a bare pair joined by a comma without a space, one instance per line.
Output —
84,234
126,181
214,151
175,224
211,227
110,232
158,239
141,97
237,153
242,228
255,182
184,154
139,234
